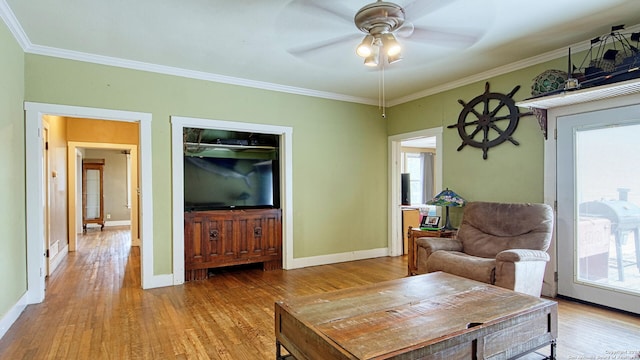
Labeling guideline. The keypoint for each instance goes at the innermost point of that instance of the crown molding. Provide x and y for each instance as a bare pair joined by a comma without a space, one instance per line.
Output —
518,65
9,18
16,29
192,74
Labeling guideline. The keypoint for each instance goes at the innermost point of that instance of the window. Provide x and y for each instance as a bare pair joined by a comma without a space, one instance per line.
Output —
413,166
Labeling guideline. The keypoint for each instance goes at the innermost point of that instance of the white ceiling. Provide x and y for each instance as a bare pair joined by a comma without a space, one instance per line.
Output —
256,42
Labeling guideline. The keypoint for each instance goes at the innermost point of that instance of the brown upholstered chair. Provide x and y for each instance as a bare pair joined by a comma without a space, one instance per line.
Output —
497,243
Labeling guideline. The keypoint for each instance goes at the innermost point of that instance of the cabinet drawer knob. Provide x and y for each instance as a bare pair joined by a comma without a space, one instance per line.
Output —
257,231
213,235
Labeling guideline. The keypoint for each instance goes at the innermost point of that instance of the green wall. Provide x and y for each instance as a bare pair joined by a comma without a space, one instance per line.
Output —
510,173
339,154
13,246
339,148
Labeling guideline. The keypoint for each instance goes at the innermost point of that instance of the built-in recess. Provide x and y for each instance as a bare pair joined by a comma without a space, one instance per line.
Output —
232,210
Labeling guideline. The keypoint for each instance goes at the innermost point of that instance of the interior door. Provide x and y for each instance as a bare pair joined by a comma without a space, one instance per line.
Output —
598,159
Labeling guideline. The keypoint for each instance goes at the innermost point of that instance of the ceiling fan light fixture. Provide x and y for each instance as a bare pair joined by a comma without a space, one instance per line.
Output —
373,59
394,58
365,48
391,46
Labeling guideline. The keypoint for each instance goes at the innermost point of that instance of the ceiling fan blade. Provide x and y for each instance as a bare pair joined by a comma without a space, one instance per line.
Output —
405,31
306,49
331,7
445,37
419,8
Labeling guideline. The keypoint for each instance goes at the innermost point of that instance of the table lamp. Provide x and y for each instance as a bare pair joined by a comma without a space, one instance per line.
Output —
447,198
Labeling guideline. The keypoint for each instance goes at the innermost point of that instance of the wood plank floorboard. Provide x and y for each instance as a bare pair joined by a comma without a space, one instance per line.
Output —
95,309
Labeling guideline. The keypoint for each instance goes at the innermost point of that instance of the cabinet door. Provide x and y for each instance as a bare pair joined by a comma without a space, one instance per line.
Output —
250,240
193,249
259,234
218,239
272,234
223,238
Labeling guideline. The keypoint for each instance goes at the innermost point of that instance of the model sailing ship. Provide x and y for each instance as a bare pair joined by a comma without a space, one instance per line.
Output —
611,58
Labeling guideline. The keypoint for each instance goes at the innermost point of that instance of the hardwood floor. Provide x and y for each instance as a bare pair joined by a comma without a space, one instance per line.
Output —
95,309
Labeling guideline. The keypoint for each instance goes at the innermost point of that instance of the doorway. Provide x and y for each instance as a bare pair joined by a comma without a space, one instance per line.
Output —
125,182
34,190
48,268
396,228
599,207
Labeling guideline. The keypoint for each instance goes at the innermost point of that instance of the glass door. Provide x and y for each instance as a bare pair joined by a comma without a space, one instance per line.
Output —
599,207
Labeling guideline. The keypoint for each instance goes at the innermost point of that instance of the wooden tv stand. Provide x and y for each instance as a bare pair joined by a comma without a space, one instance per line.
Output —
220,238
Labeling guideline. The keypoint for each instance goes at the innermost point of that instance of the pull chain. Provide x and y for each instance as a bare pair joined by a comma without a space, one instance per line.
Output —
381,93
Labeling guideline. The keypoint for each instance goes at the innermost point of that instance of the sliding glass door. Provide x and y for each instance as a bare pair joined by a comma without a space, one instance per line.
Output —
598,223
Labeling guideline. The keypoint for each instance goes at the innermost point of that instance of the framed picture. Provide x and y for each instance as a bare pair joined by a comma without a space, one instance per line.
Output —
430,221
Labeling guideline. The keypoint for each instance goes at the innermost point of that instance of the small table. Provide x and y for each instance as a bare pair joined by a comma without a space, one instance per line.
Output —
429,316
415,233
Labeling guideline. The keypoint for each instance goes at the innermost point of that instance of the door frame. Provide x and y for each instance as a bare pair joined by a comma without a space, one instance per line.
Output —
78,196
395,242
46,197
34,190
178,123
569,282
550,281
75,187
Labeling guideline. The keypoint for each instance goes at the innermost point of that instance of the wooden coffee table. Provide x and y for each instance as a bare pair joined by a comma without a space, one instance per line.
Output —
430,316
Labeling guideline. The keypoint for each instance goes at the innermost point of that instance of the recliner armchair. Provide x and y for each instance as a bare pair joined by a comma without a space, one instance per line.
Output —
497,243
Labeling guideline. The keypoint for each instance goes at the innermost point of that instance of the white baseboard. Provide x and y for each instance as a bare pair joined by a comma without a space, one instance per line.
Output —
157,281
12,315
111,223
117,223
166,280
53,264
338,258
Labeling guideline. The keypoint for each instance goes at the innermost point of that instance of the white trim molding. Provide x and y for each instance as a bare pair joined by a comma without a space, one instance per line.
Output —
12,315
338,258
9,18
501,70
178,123
18,32
35,243
395,152
117,223
550,282
56,260
191,74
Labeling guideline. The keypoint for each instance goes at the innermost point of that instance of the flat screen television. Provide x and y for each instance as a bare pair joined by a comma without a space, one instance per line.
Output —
237,181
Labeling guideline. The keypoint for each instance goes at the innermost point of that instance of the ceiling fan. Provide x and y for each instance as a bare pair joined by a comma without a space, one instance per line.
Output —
379,20
383,22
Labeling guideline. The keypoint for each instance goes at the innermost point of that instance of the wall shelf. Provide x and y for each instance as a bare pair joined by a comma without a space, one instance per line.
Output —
583,95
229,147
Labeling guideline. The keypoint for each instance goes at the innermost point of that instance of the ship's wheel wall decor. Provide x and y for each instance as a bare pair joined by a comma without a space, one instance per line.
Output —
488,120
